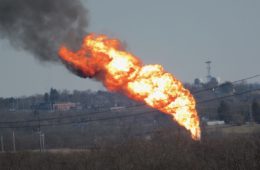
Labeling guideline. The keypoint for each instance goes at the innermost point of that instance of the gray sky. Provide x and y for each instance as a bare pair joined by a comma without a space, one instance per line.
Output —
179,34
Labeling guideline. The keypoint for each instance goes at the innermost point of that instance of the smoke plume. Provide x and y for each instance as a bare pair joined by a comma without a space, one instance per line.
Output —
41,26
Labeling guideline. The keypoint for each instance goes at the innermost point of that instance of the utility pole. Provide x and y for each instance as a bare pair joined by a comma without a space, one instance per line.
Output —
39,130
251,119
250,114
40,140
208,71
14,147
43,141
2,143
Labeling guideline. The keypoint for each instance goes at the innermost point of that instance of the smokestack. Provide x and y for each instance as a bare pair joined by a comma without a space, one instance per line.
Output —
41,26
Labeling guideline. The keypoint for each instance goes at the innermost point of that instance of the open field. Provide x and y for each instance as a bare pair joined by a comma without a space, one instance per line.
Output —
234,129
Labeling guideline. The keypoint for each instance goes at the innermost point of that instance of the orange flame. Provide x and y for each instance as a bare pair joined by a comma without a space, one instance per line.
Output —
120,70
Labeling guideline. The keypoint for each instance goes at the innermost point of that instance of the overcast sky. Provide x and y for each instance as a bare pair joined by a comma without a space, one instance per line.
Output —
179,34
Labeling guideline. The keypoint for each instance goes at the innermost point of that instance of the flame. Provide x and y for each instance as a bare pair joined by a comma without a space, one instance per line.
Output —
120,70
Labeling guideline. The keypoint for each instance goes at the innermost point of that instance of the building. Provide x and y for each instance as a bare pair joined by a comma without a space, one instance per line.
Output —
215,123
117,108
66,106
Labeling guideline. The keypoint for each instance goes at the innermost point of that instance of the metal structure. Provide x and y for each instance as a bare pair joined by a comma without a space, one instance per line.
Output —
2,144
208,71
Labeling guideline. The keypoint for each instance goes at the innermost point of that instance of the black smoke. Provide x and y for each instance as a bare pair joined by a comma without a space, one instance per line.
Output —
41,26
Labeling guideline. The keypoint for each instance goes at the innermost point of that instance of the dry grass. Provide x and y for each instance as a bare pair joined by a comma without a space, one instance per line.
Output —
163,151
228,129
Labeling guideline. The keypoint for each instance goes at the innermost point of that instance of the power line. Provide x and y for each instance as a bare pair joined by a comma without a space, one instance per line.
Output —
80,115
83,121
233,82
65,117
127,107
228,96
129,115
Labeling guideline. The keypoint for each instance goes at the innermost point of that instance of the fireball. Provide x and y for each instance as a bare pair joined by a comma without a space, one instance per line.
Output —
119,70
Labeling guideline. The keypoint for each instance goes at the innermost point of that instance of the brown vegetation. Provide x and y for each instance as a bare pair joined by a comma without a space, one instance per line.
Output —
163,151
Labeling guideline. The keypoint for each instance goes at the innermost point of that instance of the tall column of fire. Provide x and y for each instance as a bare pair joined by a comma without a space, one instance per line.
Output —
121,71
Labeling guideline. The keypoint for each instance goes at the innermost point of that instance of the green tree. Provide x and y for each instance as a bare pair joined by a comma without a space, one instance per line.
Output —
226,87
54,95
224,112
46,97
256,111
212,83
238,117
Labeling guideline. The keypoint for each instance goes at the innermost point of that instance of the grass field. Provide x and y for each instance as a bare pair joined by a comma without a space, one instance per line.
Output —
234,129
